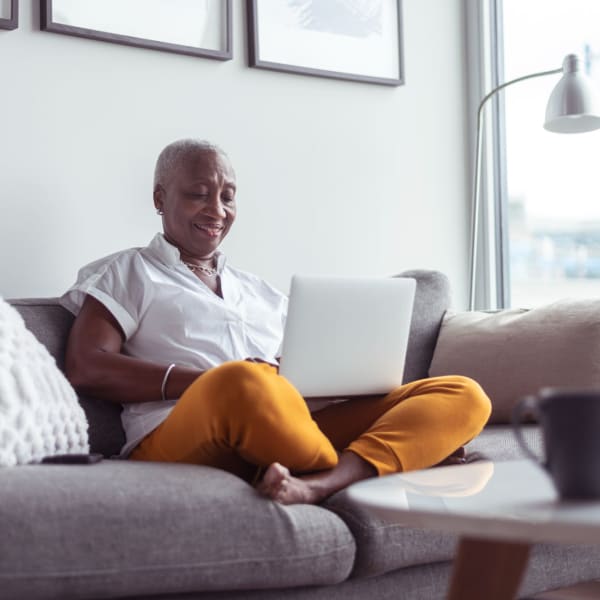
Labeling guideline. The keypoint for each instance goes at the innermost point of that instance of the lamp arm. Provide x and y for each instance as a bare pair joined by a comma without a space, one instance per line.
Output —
507,83
477,175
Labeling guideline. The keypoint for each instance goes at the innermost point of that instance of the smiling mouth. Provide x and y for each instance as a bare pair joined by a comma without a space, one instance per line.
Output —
213,231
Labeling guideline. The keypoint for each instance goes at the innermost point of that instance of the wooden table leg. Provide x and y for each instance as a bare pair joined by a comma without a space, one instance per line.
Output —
487,569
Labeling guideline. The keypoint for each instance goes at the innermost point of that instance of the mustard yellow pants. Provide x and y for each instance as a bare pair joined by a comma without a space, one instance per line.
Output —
243,415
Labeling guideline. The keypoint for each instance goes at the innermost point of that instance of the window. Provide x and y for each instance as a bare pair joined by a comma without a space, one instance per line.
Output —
551,189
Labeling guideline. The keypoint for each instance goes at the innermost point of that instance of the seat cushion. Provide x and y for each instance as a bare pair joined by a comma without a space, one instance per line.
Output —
382,546
122,528
497,442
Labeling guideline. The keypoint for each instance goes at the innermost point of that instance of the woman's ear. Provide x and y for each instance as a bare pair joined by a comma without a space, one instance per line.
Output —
158,198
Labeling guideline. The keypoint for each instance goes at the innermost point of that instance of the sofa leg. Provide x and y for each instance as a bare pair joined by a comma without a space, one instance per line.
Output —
487,569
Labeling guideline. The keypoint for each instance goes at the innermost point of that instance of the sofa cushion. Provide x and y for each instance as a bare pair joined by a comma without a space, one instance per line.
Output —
382,546
513,353
498,442
120,528
50,323
549,567
432,299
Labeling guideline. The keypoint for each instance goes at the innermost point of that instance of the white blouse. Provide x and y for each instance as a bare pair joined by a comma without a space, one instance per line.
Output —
168,315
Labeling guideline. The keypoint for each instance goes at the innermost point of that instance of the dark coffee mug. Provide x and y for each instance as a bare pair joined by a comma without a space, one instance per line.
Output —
570,422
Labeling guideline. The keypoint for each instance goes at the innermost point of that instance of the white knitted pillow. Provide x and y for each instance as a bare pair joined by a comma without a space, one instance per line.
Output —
39,411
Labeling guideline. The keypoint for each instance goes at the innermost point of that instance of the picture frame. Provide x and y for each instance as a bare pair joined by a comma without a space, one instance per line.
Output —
9,14
200,28
355,40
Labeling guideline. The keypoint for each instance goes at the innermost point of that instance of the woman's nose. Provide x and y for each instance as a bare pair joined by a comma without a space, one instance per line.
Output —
215,207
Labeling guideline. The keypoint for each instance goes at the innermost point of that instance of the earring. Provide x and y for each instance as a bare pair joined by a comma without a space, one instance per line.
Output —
159,212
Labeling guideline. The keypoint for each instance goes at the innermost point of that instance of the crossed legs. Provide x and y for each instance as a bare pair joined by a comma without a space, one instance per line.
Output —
415,426
243,415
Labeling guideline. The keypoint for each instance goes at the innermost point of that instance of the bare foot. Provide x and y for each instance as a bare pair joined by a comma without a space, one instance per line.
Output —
278,484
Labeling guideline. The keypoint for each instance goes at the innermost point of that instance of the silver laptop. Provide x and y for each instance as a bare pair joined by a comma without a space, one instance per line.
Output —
346,337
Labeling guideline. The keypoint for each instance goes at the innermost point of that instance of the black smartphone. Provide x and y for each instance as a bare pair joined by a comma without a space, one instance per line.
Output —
72,459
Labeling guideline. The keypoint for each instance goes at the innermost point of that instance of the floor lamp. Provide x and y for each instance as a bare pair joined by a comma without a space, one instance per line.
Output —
573,107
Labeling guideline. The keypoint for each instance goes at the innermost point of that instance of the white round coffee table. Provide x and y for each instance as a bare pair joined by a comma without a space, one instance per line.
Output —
497,509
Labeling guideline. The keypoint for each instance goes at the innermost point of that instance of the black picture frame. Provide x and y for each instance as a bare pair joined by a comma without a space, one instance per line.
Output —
256,38
48,23
12,22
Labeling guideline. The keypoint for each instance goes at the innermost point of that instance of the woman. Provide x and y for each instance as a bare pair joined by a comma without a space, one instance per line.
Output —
188,345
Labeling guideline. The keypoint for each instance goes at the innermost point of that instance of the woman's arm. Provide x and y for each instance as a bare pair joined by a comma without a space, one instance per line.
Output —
95,365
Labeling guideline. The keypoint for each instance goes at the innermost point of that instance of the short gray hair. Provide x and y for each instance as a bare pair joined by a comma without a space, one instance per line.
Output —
179,151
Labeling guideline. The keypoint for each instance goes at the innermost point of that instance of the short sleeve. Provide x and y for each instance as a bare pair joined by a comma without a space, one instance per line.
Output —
113,281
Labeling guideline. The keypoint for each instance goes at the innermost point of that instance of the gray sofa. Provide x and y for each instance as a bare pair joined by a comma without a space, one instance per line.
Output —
120,529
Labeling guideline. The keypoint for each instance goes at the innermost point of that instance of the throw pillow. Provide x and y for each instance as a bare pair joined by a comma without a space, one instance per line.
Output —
514,353
39,411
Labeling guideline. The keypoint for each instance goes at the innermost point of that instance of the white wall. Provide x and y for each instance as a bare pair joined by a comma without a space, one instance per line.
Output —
334,177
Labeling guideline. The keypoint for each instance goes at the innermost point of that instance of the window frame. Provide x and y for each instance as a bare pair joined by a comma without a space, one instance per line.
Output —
486,71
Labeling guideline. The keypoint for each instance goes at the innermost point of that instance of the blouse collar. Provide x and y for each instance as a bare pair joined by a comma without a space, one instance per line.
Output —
169,254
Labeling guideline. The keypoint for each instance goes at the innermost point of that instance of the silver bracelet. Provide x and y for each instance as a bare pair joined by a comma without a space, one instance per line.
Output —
163,387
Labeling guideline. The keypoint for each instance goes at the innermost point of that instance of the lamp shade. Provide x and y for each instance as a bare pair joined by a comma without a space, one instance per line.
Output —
574,104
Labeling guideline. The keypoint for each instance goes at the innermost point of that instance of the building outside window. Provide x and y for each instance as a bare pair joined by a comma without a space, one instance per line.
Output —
552,199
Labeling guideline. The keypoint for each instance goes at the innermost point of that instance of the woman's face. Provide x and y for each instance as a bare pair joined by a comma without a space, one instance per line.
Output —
198,202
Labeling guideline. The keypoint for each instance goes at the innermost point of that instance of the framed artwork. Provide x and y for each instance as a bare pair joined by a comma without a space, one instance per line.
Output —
358,40
193,27
9,14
